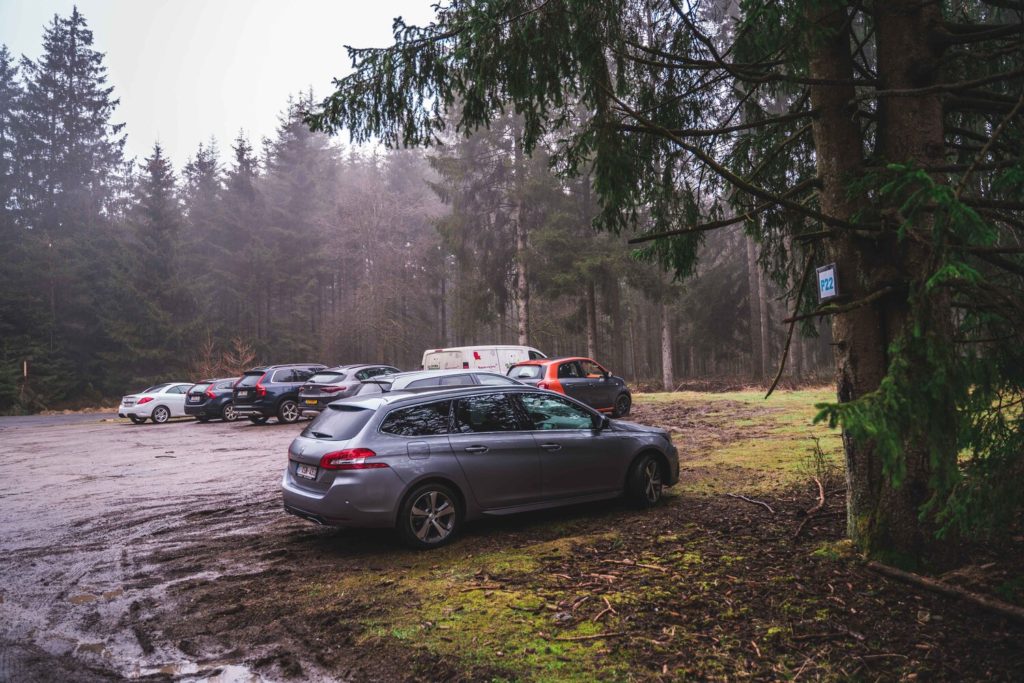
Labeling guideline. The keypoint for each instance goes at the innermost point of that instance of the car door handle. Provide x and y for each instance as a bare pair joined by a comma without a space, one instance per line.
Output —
551,446
476,449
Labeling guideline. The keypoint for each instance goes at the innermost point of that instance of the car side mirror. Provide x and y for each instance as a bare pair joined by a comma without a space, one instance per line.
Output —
602,423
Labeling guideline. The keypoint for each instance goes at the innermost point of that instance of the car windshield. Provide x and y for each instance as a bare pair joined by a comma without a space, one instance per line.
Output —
226,384
525,371
327,377
156,388
250,379
199,388
338,423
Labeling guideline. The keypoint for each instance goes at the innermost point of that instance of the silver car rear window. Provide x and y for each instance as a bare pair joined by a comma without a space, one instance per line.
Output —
338,423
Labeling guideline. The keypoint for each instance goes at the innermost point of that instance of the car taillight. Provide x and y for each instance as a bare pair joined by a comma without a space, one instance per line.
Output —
260,389
209,392
350,459
147,399
543,385
332,390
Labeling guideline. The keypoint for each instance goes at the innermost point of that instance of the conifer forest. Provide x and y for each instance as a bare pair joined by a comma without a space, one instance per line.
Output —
547,340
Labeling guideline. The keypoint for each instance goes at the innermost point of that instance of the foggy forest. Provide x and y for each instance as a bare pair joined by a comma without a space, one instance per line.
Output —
122,272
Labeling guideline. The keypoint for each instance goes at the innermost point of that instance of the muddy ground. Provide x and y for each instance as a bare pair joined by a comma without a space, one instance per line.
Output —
161,552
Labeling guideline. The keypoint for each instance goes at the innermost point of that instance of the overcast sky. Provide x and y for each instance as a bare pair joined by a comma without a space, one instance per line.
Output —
188,69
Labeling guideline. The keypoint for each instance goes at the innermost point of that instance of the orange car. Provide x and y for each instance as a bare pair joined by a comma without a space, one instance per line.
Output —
581,378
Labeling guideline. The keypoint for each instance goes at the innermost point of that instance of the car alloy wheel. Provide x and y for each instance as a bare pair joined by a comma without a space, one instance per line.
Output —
161,415
430,517
288,412
229,413
645,481
652,481
622,405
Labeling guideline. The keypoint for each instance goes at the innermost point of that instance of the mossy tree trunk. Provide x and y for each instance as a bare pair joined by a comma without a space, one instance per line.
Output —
884,515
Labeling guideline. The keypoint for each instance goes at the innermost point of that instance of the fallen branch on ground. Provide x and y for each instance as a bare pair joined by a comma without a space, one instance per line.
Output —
821,498
983,601
630,563
763,504
592,636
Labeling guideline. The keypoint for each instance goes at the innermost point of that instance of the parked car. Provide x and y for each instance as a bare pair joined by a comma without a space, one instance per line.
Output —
426,463
428,380
272,391
340,381
212,398
494,358
581,378
159,403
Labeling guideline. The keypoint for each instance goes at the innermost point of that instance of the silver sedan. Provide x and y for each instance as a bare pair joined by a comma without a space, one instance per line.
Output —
427,463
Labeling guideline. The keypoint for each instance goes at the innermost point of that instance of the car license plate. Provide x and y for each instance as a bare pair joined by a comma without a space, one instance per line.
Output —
193,399
243,394
306,471
311,401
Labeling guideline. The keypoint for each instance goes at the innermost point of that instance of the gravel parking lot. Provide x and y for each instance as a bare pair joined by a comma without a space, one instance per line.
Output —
86,501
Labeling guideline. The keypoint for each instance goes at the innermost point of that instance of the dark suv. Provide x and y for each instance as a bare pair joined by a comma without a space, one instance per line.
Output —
338,382
272,391
212,398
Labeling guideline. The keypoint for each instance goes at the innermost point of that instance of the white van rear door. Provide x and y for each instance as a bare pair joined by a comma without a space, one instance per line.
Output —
485,359
442,360
509,357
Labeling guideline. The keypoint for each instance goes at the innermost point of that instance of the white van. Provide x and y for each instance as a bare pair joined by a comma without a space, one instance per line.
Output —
492,358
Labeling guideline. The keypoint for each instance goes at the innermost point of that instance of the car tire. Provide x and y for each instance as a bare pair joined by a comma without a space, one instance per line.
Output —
288,412
258,419
623,404
645,483
229,414
160,415
137,420
419,523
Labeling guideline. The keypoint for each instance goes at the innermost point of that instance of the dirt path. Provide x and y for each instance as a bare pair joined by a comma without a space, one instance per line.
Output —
121,563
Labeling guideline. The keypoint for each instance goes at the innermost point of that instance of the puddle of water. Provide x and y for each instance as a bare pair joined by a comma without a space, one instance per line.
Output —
93,648
211,672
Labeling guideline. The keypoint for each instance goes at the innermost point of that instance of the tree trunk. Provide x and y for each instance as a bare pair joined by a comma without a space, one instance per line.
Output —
591,306
667,374
753,291
765,325
882,518
522,283
617,337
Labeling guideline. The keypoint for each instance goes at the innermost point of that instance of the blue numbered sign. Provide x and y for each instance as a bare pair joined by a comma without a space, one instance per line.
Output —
828,286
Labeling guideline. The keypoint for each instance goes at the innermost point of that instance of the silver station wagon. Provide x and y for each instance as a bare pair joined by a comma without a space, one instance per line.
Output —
426,463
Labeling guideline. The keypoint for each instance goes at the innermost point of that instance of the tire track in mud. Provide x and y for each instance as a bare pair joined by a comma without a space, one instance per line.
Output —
82,513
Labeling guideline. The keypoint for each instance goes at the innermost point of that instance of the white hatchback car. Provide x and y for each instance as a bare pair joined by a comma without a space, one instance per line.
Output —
159,403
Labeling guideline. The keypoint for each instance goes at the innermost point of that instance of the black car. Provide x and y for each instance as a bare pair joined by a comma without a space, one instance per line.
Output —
272,391
340,381
212,398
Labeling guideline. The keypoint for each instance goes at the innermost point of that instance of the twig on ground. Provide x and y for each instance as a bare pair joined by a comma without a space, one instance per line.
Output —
983,601
592,636
630,563
482,588
763,504
821,498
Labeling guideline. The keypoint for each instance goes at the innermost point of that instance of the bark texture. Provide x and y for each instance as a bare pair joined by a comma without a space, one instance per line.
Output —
883,518
667,371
